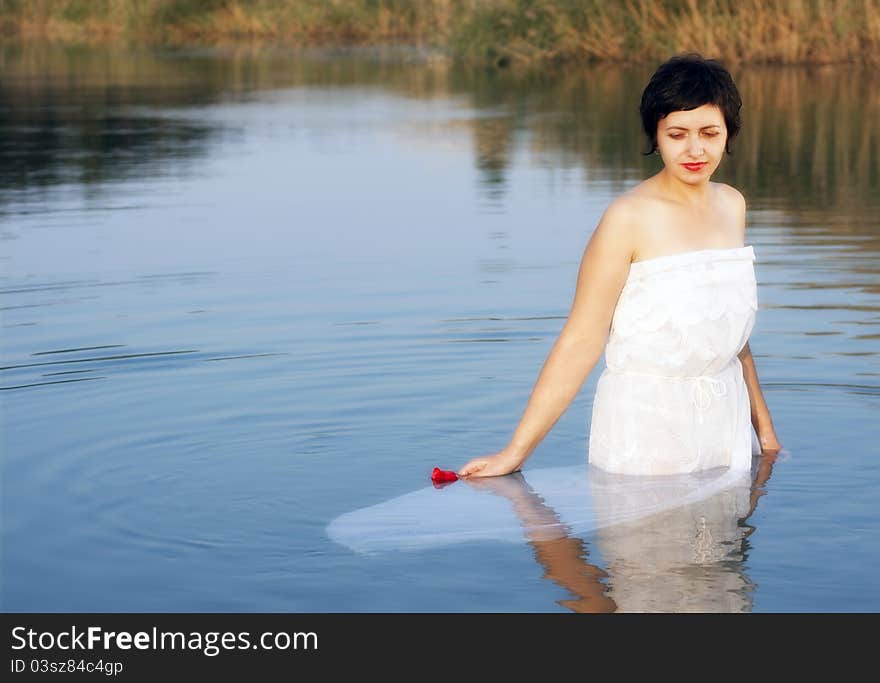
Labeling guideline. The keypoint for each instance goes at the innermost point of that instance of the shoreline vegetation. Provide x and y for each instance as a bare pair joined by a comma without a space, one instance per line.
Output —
492,32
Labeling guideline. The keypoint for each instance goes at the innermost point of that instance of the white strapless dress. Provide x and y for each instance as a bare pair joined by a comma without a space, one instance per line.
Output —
672,398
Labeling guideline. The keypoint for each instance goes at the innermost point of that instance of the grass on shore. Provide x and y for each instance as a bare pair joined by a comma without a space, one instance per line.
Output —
499,32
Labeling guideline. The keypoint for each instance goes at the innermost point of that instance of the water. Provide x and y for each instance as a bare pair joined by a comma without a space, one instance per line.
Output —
244,293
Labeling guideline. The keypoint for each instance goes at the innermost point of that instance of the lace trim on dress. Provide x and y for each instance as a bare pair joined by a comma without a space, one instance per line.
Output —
645,307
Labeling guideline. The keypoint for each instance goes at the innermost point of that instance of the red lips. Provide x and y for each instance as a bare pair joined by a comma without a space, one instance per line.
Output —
439,476
694,167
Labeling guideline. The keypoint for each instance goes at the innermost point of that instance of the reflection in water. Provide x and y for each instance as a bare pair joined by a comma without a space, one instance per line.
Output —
563,555
493,142
810,144
688,558
665,544
54,132
74,124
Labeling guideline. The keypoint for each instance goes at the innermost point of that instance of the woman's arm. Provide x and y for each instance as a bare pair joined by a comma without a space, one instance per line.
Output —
761,420
760,413
603,272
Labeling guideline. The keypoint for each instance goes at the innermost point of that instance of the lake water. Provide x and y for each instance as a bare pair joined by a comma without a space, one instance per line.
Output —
243,294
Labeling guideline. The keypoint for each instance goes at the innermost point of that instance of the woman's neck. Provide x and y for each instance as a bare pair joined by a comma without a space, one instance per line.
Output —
694,196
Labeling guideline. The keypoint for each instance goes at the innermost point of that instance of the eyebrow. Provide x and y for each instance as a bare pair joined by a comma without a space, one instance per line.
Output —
714,125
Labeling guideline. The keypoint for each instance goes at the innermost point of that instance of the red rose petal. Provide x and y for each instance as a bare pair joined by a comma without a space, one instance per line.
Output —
439,475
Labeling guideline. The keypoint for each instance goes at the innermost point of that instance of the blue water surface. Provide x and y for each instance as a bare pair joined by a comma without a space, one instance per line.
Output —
242,295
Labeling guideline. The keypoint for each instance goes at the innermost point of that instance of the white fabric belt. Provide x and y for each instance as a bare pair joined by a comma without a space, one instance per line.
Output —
700,392
705,386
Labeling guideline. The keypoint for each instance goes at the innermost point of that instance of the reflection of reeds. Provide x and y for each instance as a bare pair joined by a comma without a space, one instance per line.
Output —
813,135
499,31
810,142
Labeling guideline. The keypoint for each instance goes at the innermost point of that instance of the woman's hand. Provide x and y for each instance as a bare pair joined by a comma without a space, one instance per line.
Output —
769,443
503,462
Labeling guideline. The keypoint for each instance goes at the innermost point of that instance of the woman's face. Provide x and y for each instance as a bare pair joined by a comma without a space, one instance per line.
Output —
692,142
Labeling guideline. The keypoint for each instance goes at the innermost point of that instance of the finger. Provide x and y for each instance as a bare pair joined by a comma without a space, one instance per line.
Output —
483,471
471,468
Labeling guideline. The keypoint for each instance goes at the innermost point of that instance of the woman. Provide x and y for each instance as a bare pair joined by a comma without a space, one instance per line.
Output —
667,282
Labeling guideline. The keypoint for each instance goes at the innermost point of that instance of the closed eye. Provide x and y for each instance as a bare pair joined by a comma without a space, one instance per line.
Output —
708,134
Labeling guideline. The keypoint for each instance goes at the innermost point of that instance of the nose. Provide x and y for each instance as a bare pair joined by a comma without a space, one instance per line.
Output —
695,147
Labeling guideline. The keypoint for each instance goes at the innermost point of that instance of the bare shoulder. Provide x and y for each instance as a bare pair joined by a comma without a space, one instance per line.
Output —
603,273
734,204
622,211
619,224
731,196
646,199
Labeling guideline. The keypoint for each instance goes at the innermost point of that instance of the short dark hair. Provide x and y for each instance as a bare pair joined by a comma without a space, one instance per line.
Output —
686,82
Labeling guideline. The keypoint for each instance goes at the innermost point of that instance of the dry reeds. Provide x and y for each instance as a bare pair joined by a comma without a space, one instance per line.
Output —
496,31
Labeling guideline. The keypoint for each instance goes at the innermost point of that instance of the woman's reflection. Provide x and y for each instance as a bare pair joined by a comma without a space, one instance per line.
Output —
688,558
